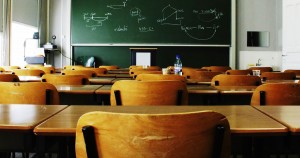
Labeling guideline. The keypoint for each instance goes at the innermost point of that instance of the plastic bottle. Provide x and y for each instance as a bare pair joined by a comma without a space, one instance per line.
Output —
178,66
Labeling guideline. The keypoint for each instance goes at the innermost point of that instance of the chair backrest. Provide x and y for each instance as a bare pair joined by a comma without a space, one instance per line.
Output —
218,68
134,72
33,66
65,79
153,77
278,76
28,72
204,134
9,78
88,73
1,69
190,73
138,93
276,94
72,67
98,71
47,70
204,76
297,72
262,69
235,80
109,67
28,93
239,72
10,68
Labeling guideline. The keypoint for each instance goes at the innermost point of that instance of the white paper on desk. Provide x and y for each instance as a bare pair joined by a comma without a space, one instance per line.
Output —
143,58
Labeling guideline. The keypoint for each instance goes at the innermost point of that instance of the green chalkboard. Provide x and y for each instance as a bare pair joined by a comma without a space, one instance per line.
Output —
187,22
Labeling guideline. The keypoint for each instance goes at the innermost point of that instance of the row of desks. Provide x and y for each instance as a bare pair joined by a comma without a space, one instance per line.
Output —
252,123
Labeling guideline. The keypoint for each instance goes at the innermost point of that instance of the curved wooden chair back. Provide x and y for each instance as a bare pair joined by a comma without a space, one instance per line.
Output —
297,72
135,72
278,76
148,68
238,72
9,78
33,66
109,67
88,73
198,134
73,67
218,68
262,69
138,93
10,68
154,77
98,71
276,94
2,70
47,70
65,79
28,72
189,73
204,76
235,80
28,93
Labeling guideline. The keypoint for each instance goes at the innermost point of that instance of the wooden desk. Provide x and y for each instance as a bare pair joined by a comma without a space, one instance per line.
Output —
287,115
235,95
17,122
119,71
244,120
101,80
78,94
280,81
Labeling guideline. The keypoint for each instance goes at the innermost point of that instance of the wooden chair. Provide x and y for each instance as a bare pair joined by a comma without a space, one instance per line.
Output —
134,72
28,93
203,76
2,70
47,70
262,69
297,72
238,72
109,67
65,79
278,76
276,94
154,68
73,67
138,93
190,72
98,71
10,68
9,78
200,134
154,77
218,68
28,72
235,80
33,66
88,73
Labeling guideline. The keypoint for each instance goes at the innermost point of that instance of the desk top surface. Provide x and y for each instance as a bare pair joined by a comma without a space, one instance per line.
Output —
21,117
242,119
287,115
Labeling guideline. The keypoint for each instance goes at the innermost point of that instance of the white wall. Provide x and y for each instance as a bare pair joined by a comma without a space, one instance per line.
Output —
1,17
25,12
59,25
259,15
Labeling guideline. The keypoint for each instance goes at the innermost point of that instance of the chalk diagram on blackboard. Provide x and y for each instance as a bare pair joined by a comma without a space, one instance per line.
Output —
170,16
93,21
117,6
205,24
209,15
